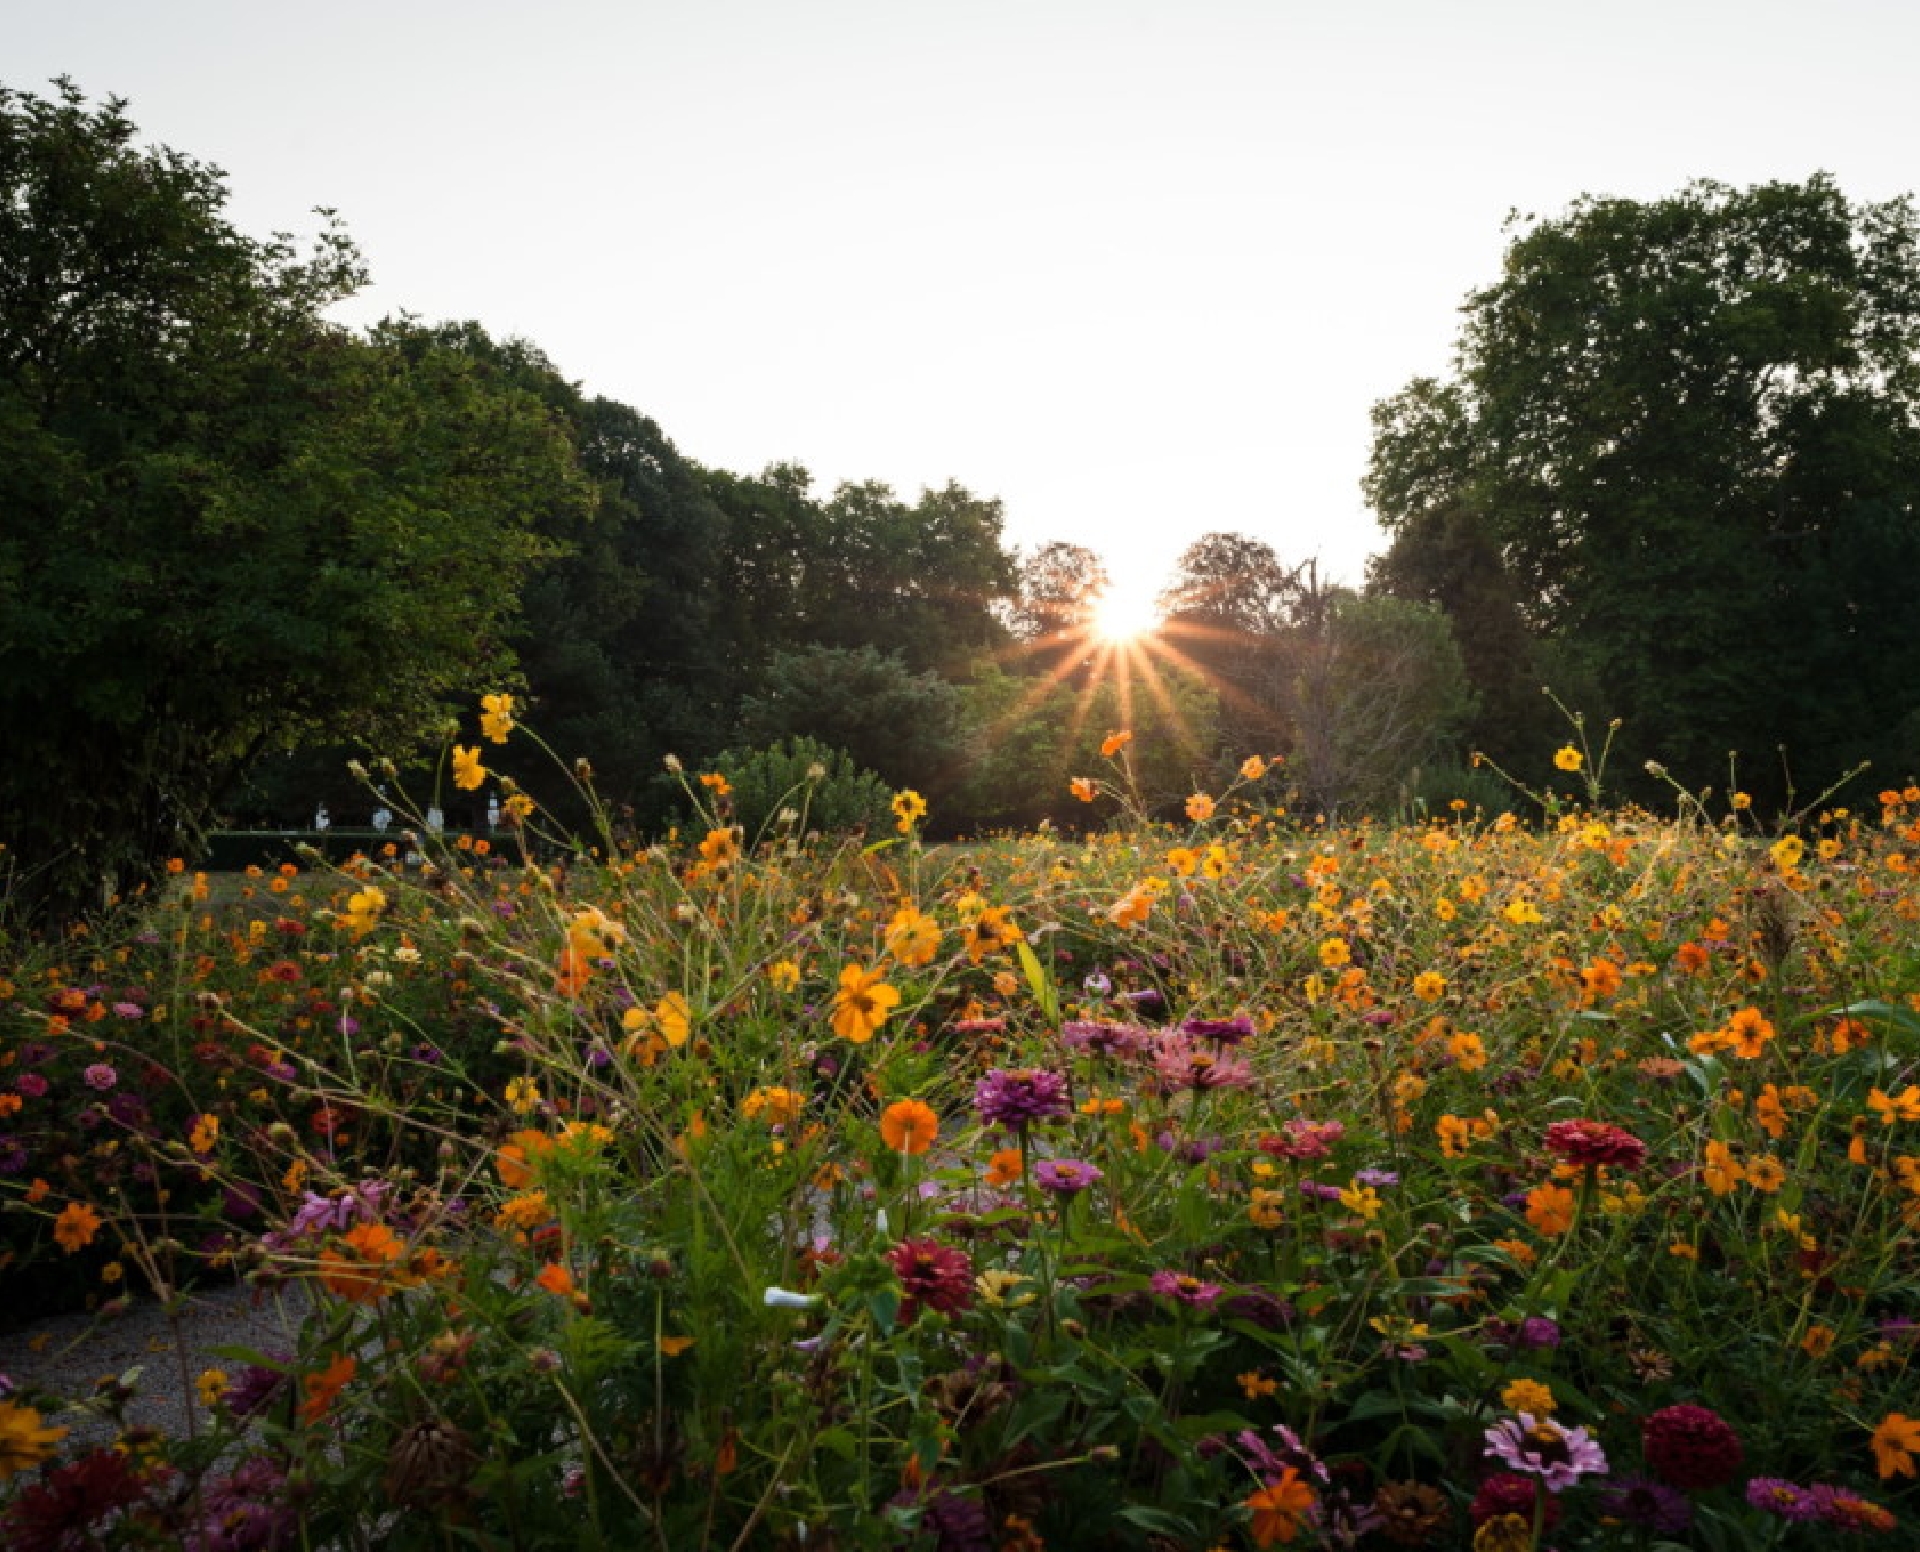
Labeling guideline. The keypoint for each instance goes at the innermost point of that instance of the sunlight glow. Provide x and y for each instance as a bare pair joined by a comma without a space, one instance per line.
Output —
1125,613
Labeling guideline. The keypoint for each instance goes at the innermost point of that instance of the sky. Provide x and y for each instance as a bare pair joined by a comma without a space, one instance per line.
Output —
1139,270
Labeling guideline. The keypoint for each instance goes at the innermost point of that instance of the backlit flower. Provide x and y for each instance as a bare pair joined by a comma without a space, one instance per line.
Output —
468,772
1199,808
496,718
913,937
909,808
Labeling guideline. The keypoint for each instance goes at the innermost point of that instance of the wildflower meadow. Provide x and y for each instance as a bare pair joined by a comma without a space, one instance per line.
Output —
1544,1178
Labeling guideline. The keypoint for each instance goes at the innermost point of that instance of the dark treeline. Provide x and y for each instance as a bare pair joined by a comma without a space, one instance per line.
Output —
1673,476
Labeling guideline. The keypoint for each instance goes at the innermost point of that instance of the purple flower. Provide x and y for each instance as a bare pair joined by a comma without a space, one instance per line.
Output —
1065,1177
1775,1496
1653,1505
246,1512
1184,1287
13,1157
1540,1447
1016,1097
1319,1191
1103,1039
129,1010
1379,1179
100,1076
1227,1031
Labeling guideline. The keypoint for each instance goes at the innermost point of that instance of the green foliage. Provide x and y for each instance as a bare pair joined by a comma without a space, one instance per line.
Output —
888,719
229,524
822,788
1684,427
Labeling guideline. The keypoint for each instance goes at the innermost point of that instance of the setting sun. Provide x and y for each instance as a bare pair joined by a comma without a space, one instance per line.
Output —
1123,613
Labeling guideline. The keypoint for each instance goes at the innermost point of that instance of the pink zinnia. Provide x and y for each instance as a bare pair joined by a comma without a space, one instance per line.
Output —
1540,1447
1185,1287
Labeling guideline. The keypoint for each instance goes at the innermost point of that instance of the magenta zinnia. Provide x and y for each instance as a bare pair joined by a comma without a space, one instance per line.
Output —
1017,1097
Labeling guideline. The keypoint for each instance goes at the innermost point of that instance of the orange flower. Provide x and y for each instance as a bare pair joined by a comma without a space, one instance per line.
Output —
1749,1032
1550,1209
913,937
862,1004
1081,788
1895,1442
74,1229
1722,1171
1114,743
1004,1167
1199,808
1278,1510
556,1279
363,1272
909,1126
324,1386
1904,1106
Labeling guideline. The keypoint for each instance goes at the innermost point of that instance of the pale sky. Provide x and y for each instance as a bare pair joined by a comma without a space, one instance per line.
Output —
1139,270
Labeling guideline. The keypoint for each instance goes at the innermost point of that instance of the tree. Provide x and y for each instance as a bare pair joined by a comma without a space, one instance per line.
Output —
228,524
1052,610
903,726
1230,610
1690,429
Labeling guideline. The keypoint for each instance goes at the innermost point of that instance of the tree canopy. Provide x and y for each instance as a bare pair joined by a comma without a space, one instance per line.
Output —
1689,431
229,524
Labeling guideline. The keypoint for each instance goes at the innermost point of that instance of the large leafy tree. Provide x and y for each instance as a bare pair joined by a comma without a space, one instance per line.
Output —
1689,430
227,524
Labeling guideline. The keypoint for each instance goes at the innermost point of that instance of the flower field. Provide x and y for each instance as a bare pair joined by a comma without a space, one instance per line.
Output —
1500,1181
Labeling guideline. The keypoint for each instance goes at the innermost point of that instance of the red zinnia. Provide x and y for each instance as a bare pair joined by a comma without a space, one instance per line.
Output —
1691,1446
932,1275
1595,1142
1507,1492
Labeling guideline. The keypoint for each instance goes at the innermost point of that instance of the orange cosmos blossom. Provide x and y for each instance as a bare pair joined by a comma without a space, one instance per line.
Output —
862,1003
74,1229
1081,788
1895,1443
1280,1508
327,1383
1550,1209
909,1126
1114,743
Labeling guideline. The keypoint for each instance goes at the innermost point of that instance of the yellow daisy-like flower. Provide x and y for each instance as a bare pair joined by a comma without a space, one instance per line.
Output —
496,717
862,1003
468,772
1199,808
913,937
24,1441
1568,758
523,1094
909,808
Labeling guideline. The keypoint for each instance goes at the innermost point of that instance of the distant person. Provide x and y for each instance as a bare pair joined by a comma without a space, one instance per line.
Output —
321,819
493,813
436,821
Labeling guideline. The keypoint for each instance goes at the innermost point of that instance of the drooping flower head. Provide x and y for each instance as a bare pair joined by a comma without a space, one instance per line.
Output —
1692,1447
1226,1031
1542,1448
1650,1505
1102,1039
1016,1097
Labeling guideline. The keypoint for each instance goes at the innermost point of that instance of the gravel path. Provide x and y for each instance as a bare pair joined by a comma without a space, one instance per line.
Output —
69,1354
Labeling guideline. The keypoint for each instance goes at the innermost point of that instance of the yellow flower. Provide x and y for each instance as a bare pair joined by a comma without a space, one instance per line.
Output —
1522,913
468,772
1722,1171
909,808
673,1019
1252,768
24,1443
523,1094
862,1003
1199,808
496,718
1360,1199
913,937
1264,1207
212,1385
1334,953
1787,852
1568,758
784,974
1429,986
1528,1396
363,910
